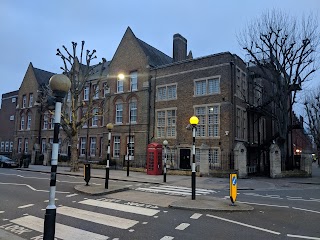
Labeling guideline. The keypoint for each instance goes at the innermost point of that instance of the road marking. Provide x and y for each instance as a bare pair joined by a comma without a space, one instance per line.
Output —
262,204
121,207
167,238
72,195
1,211
175,190
62,231
307,210
32,188
196,216
244,224
56,199
103,219
304,237
182,226
25,206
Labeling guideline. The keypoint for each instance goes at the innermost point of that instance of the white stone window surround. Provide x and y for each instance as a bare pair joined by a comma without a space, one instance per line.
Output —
210,85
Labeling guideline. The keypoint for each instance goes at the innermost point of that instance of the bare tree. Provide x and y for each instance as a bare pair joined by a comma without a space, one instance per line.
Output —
284,49
312,108
77,110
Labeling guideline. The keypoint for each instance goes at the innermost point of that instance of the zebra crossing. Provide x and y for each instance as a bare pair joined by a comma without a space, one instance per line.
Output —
67,231
175,190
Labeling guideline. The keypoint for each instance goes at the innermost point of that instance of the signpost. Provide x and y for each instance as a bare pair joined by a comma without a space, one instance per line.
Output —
233,188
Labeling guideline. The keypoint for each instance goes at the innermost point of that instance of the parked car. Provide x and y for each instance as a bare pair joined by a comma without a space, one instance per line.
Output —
7,162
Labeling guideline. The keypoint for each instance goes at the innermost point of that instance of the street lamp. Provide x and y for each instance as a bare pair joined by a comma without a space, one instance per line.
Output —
121,76
106,183
194,122
60,85
165,143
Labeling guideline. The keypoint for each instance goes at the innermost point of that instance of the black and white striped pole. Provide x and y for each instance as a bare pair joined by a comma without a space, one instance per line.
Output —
60,85
194,122
106,183
165,143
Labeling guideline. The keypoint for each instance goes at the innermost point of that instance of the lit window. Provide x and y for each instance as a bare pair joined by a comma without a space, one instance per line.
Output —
209,121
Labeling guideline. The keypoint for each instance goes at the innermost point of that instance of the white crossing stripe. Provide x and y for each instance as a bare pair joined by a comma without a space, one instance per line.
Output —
62,231
182,226
1,211
196,215
176,190
72,195
25,206
167,238
100,218
121,207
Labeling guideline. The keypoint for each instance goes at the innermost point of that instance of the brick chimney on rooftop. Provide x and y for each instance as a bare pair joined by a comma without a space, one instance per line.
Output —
179,48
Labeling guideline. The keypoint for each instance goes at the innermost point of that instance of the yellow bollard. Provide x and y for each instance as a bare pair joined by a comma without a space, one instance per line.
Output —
233,187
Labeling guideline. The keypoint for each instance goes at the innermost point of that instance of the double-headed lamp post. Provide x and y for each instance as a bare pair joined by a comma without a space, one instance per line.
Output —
60,85
165,144
106,183
194,122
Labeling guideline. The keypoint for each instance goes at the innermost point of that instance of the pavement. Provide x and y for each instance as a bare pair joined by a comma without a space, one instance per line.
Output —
119,187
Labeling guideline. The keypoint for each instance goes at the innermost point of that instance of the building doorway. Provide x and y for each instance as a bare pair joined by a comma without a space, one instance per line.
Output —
185,159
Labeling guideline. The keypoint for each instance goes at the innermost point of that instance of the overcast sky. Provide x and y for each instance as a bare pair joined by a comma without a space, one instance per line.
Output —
31,31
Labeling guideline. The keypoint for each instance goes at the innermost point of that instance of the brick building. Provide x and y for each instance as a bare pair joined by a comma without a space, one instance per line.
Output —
7,120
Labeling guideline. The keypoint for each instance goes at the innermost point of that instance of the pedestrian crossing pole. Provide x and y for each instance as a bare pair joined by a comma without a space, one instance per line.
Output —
194,122
60,85
106,184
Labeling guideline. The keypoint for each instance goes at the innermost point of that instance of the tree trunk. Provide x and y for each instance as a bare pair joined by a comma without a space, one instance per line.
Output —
74,154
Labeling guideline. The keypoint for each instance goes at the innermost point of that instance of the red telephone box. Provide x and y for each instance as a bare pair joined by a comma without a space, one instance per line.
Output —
154,159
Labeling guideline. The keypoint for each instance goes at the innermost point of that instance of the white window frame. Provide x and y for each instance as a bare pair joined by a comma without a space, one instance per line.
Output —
83,145
119,113
209,120
95,117
26,145
116,146
13,100
133,110
45,121
86,92
106,89
120,85
167,126
93,146
201,86
96,91
134,81
11,117
6,146
11,147
30,99
24,101
22,122
28,121
163,92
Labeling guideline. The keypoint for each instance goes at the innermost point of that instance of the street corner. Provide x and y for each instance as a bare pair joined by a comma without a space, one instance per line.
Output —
203,203
99,190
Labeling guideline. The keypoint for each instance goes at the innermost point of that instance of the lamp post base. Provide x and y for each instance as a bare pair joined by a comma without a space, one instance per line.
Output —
49,224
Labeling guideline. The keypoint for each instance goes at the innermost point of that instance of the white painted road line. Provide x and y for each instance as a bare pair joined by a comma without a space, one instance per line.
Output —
196,216
72,195
182,226
262,204
303,237
167,238
187,189
1,211
62,231
165,191
307,210
25,206
100,218
32,188
121,207
244,224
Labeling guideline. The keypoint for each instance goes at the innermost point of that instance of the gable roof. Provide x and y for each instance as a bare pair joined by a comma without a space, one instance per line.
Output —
155,57
42,76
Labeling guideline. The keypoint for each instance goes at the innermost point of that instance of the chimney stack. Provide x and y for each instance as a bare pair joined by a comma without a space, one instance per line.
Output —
179,48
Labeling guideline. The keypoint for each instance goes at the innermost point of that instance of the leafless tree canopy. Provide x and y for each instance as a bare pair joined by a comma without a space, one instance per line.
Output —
77,112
